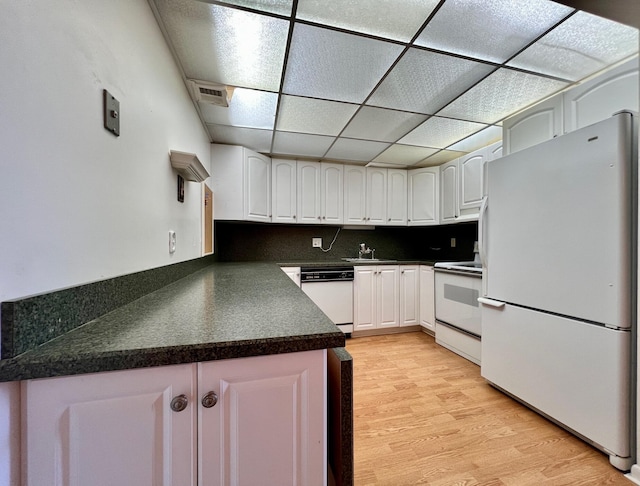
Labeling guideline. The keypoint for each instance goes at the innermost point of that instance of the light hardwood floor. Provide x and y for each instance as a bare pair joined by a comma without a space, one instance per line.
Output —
423,415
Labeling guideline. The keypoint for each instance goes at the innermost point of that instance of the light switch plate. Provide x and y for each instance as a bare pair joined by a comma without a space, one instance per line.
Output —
111,113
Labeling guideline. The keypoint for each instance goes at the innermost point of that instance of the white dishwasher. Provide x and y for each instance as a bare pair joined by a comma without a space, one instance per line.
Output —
331,289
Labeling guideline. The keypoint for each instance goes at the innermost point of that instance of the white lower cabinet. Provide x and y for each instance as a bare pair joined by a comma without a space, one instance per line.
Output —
409,295
376,297
247,421
427,298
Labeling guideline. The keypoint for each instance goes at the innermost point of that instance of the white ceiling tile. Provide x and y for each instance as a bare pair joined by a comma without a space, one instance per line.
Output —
226,45
286,143
493,30
247,108
502,93
404,154
478,140
280,7
424,81
382,125
440,158
392,19
334,65
308,115
581,46
257,140
349,149
439,132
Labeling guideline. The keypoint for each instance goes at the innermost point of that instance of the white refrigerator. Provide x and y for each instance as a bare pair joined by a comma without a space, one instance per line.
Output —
558,242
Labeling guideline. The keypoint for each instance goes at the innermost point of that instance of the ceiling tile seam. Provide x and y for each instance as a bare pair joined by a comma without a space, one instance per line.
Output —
382,78
176,59
504,66
553,27
407,46
294,9
244,8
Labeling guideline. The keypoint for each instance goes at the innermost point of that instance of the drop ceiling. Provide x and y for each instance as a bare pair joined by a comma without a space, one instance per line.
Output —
398,83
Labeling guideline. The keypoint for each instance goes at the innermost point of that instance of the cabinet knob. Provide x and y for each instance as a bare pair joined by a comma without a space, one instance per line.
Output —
179,403
210,399
318,217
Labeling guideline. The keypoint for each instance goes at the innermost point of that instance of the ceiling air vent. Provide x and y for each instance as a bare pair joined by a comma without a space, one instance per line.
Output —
216,94
188,166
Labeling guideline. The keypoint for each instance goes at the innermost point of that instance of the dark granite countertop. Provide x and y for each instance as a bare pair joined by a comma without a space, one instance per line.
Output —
226,310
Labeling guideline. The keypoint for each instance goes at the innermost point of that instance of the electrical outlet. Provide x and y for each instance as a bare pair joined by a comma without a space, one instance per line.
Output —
316,242
172,242
453,242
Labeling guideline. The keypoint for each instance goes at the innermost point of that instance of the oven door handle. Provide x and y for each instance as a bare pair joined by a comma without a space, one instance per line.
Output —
491,303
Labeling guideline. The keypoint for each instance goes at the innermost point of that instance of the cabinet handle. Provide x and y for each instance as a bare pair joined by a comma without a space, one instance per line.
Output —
179,403
210,399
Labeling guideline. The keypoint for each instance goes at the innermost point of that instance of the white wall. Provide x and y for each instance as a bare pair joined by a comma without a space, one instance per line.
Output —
76,203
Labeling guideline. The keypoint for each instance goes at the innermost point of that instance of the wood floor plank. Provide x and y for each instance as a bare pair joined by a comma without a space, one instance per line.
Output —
423,415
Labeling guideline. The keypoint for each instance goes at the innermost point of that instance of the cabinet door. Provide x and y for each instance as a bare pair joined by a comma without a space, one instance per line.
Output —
355,191
388,293
308,175
283,191
114,428
268,425
542,122
427,298
397,197
471,172
364,298
423,200
331,192
409,295
449,192
601,97
376,196
257,188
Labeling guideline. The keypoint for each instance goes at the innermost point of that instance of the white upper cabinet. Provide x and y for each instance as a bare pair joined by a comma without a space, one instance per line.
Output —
585,104
601,97
449,192
539,123
257,190
241,181
331,190
320,188
308,182
283,191
355,194
470,179
423,203
397,197
376,196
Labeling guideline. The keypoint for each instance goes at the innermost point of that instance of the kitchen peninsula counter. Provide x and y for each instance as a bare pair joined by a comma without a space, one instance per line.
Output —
224,311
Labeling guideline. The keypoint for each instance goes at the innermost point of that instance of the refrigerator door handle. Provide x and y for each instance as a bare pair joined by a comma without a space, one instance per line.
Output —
481,232
491,303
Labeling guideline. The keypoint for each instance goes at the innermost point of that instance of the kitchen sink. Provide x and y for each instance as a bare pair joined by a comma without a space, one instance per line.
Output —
364,260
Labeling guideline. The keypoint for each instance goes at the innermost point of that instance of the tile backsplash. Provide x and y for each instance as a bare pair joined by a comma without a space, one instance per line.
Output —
244,241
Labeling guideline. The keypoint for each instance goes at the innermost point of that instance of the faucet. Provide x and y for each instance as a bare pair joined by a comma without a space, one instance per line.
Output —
365,250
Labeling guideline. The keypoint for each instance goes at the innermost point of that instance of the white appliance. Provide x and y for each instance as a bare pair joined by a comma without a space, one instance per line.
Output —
331,289
458,321
558,244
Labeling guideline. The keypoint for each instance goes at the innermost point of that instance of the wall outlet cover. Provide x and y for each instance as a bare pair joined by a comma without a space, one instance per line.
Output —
453,242
316,242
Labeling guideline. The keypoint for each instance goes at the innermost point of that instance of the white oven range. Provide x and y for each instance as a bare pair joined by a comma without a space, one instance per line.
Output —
458,322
